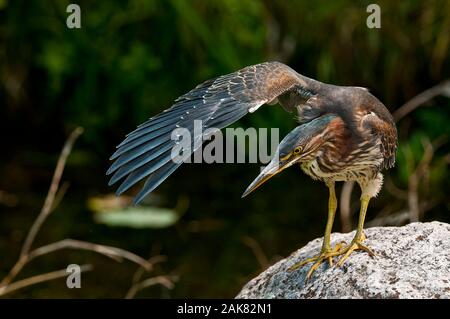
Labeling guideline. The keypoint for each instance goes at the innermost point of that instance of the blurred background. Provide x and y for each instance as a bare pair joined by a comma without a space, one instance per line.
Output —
130,60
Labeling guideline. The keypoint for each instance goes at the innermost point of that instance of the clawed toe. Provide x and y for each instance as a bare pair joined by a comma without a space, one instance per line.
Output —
328,254
354,245
325,255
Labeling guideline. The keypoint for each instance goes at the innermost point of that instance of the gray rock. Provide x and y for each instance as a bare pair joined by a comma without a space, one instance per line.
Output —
412,261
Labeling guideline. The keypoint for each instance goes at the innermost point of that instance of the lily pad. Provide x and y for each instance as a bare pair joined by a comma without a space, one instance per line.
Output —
138,217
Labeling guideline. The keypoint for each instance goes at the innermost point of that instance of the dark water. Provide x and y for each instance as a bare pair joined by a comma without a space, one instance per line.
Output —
207,248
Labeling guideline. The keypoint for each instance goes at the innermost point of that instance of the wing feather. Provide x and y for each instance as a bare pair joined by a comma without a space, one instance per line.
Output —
219,102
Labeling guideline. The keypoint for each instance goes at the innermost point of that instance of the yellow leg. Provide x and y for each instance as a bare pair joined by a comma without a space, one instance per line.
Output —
326,253
356,243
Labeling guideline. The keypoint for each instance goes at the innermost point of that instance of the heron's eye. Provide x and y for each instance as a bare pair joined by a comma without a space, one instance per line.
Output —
298,150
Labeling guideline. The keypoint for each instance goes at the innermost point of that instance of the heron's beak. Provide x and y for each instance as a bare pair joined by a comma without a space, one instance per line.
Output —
274,167
309,133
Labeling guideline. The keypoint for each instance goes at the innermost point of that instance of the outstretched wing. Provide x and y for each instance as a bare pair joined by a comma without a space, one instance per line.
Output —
146,152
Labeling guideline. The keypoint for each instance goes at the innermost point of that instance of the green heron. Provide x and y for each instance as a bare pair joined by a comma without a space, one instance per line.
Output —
344,134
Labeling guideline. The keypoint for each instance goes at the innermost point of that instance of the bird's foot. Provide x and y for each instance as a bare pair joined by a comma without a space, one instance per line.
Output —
325,255
356,244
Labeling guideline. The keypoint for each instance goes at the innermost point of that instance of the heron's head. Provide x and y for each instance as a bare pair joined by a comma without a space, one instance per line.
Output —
300,145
